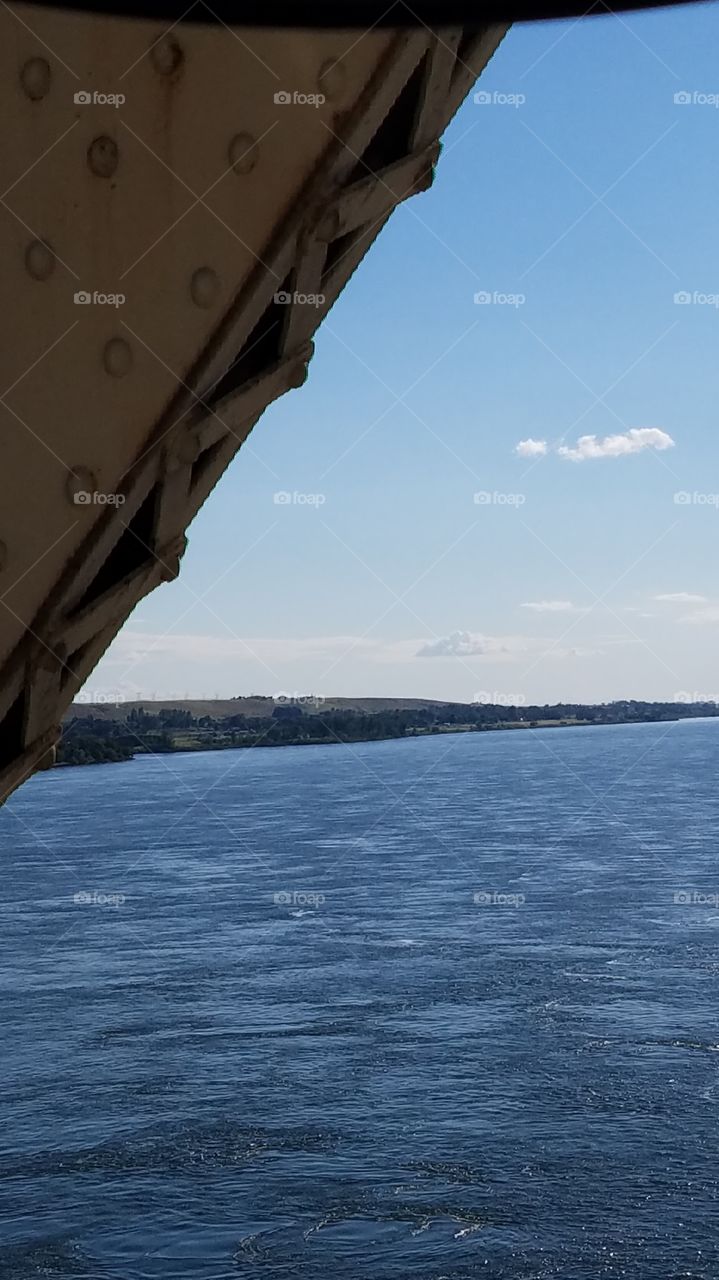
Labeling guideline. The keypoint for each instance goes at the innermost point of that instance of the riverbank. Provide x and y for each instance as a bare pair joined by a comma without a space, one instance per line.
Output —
121,733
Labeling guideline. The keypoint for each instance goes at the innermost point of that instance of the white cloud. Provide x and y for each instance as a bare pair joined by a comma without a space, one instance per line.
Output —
632,441
552,606
682,597
530,448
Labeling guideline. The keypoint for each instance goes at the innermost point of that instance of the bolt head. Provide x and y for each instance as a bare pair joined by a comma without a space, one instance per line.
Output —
242,153
204,287
166,55
35,77
39,260
103,156
117,357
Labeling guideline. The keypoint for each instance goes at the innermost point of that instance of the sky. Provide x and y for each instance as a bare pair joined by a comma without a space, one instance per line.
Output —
500,479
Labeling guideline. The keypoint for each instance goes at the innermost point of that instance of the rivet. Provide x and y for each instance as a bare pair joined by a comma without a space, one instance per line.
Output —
204,286
3,556
166,56
242,153
35,78
332,78
81,483
103,156
117,357
39,260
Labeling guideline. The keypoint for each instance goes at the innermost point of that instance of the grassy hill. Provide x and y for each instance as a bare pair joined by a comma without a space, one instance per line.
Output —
262,707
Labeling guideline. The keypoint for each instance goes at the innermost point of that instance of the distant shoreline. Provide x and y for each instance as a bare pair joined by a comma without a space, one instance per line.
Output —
118,734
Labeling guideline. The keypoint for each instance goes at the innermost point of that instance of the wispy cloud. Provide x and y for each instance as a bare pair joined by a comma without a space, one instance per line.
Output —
552,606
633,441
207,650
681,597
703,616
509,649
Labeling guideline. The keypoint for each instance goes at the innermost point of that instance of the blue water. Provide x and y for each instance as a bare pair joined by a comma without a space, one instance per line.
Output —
475,1035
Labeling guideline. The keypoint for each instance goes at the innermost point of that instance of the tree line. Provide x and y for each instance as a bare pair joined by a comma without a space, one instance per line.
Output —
93,739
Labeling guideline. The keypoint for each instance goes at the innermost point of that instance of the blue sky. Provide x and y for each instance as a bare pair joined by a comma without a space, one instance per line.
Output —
399,582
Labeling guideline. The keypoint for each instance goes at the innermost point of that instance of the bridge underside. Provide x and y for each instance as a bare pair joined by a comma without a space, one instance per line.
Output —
169,202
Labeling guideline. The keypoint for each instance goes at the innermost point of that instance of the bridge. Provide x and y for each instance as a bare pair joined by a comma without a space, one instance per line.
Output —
180,206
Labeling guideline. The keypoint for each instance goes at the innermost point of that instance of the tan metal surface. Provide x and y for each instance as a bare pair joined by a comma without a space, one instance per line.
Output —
202,200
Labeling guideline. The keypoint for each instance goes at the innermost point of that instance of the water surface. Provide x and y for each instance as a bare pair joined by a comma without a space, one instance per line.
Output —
421,1010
